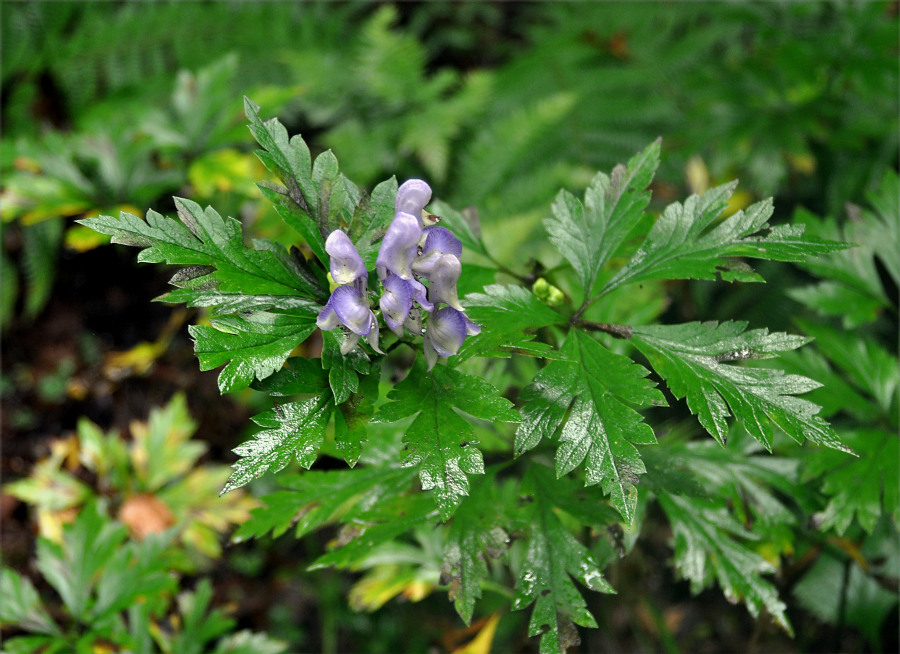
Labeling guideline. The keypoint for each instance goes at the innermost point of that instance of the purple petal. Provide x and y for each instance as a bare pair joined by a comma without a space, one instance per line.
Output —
346,264
352,309
327,319
446,331
395,303
442,281
412,196
419,294
443,240
399,247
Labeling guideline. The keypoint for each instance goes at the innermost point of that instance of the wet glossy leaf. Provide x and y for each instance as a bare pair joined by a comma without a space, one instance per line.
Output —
591,396
439,441
696,360
553,555
866,487
294,430
253,345
687,243
313,499
707,549
213,248
475,533
508,316
588,233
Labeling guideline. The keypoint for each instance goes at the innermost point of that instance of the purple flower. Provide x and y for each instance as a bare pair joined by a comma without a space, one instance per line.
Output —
396,303
438,242
348,306
446,331
442,281
346,264
399,247
412,196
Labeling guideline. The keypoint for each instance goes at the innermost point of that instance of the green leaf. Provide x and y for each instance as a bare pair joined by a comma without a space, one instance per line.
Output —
851,287
297,203
760,489
132,572
684,243
588,234
863,362
351,418
204,238
833,299
314,202
881,228
439,440
543,578
72,567
591,395
706,549
342,369
317,498
22,605
379,524
866,487
291,430
694,360
505,313
40,251
253,345
475,531
298,376
837,590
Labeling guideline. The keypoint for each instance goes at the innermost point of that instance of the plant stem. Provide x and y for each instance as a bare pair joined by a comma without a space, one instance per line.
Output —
618,331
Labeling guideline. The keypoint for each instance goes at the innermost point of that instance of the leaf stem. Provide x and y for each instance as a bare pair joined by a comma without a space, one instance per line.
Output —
618,331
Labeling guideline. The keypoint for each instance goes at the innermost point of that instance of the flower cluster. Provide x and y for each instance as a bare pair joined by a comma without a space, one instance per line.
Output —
349,302
412,250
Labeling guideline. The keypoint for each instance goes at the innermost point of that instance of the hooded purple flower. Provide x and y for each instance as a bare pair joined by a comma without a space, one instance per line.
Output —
396,303
348,304
412,196
399,247
447,329
438,242
346,264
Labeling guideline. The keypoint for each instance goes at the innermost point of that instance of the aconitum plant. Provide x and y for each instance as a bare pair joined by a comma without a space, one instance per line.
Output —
408,254
522,423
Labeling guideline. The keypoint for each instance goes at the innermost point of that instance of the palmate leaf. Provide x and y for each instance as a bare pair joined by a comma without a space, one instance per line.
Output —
553,555
475,531
588,234
694,358
684,243
439,440
316,198
290,430
317,498
591,395
864,487
253,345
505,313
706,548
213,247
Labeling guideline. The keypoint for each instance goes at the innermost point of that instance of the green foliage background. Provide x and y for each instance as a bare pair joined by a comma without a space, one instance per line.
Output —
498,106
